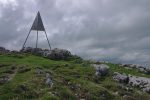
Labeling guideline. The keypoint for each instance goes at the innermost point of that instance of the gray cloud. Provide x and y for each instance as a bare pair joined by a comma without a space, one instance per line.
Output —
112,30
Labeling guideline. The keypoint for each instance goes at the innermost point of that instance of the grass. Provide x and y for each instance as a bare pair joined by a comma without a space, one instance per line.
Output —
73,79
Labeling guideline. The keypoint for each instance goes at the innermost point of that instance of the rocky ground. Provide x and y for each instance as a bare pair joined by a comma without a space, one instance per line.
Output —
37,74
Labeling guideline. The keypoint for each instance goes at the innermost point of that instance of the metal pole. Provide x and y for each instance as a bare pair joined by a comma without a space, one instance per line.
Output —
37,40
26,39
48,40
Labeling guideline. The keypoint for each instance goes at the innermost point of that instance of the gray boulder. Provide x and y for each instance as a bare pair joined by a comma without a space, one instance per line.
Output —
121,78
101,70
59,54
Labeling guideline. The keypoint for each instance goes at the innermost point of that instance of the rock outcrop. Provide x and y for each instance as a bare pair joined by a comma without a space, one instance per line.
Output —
142,82
55,54
48,80
141,69
59,54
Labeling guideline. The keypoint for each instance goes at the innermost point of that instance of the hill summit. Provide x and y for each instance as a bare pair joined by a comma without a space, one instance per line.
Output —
40,74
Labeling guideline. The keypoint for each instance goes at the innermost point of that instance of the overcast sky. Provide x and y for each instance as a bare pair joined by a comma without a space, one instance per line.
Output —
111,30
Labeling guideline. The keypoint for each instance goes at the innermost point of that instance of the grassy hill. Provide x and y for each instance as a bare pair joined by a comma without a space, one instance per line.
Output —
73,80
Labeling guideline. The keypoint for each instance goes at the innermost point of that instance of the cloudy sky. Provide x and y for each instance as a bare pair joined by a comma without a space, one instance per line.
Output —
111,30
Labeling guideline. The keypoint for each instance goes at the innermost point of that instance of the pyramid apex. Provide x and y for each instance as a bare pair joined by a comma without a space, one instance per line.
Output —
38,24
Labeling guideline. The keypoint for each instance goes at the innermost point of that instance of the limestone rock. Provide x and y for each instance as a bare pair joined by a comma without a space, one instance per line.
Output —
147,89
142,82
101,70
48,75
27,50
4,79
48,81
145,70
39,71
55,54
121,78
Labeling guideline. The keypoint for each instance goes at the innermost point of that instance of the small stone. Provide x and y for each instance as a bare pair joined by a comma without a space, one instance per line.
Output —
47,75
116,93
49,82
39,71
4,79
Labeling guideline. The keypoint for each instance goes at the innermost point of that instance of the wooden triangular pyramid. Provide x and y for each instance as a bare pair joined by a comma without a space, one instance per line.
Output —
38,24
